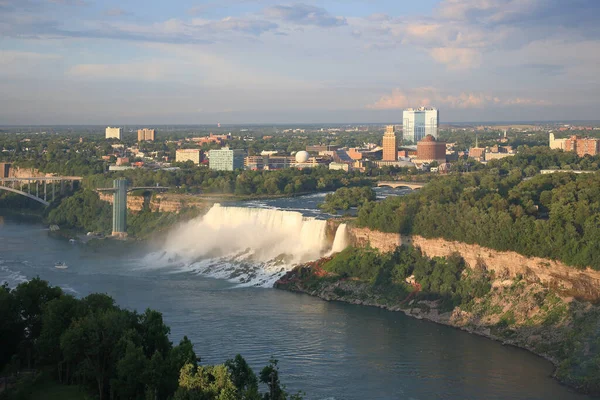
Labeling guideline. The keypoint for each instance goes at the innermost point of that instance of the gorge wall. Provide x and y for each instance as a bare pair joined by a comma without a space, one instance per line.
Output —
581,283
160,202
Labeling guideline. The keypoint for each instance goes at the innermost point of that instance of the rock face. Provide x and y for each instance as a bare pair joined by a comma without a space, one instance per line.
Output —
160,202
584,284
18,172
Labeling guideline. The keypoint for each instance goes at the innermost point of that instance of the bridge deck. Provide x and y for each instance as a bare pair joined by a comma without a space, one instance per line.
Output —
43,179
397,184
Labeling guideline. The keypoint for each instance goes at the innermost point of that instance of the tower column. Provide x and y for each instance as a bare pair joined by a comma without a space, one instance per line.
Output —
120,208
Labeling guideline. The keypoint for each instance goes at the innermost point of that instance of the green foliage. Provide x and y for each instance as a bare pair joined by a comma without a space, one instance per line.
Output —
439,278
554,216
112,352
244,183
345,198
204,383
243,378
83,210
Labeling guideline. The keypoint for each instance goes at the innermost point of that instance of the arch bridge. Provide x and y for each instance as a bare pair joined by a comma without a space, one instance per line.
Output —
399,184
40,192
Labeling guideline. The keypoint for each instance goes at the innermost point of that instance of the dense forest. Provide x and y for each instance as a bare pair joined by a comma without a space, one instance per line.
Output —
345,198
113,352
554,216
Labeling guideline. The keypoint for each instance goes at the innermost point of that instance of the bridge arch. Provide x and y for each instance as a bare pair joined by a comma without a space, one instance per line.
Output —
398,185
32,197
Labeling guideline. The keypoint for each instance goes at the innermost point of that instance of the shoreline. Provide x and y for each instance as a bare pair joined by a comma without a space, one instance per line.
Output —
407,312
333,289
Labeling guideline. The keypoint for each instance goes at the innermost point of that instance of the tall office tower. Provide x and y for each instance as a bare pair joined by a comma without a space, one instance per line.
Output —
146,134
390,144
420,122
113,133
226,159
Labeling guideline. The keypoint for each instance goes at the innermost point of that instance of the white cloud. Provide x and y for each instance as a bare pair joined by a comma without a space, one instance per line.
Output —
457,58
427,96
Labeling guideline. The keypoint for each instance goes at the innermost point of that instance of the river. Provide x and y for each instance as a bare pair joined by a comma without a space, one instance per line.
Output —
329,350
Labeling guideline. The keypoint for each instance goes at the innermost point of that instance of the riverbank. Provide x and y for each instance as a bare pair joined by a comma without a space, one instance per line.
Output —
514,312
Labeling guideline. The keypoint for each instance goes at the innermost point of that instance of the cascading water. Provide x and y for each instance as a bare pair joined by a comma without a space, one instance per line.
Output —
340,242
250,246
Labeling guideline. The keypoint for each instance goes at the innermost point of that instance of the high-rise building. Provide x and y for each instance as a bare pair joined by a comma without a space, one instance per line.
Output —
390,144
146,134
583,146
113,133
193,155
226,159
420,122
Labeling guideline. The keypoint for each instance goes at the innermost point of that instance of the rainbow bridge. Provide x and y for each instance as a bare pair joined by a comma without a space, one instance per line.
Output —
38,188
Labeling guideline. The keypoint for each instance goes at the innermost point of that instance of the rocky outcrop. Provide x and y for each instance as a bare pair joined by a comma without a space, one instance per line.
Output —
166,202
385,242
584,284
18,172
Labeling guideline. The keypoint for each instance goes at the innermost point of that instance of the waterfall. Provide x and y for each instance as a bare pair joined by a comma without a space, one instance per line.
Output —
250,246
340,242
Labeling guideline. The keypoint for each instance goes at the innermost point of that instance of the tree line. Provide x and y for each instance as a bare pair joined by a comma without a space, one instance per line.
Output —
287,181
345,198
114,352
554,216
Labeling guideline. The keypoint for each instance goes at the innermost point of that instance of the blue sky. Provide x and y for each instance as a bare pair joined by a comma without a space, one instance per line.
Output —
262,61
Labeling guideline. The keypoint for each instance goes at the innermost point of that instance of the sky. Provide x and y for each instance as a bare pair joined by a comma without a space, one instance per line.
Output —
268,61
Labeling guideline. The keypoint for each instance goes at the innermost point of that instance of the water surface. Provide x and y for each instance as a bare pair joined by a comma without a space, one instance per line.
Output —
329,350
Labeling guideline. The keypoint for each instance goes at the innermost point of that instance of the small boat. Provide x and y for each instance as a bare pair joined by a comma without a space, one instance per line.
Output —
60,265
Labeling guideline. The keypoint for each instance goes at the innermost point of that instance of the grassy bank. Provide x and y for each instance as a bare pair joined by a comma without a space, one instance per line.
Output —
517,311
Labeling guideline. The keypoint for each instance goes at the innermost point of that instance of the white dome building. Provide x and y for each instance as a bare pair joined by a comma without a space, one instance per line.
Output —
302,157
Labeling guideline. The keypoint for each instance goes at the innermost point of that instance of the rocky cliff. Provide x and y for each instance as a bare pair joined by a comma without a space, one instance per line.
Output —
584,284
166,202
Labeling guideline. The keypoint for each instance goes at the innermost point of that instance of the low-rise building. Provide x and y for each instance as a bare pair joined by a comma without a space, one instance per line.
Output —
5,170
254,163
321,147
477,153
430,150
193,155
354,154
279,162
334,166
556,144
122,160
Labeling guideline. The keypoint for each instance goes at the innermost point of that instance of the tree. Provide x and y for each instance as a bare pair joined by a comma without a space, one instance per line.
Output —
243,378
131,371
91,345
31,297
269,375
205,383
11,325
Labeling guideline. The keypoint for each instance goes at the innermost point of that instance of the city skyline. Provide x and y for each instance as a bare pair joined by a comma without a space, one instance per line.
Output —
197,62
